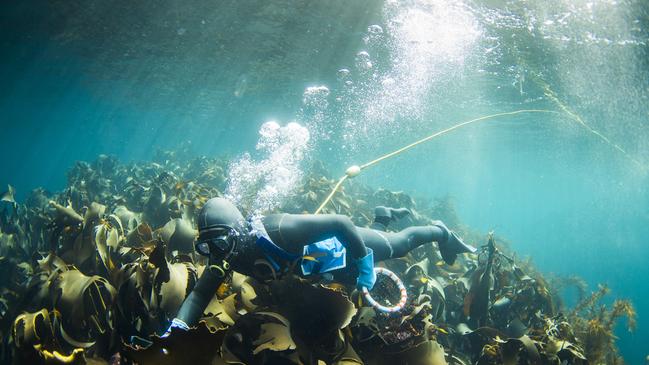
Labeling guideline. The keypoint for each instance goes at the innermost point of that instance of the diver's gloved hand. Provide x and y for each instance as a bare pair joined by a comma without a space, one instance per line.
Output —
175,323
451,245
366,275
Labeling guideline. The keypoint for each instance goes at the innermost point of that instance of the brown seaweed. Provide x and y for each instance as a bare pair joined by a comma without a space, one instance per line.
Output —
110,259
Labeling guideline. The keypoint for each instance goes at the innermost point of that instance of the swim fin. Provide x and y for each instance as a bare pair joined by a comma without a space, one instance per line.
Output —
452,245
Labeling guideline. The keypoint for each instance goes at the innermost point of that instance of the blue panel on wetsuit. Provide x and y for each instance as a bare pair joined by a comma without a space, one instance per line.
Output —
270,249
327,255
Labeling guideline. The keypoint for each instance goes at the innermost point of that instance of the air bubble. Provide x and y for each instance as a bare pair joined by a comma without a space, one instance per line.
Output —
374,35
342,74
262,185
388,81
315,96
269,129
363,61
375,29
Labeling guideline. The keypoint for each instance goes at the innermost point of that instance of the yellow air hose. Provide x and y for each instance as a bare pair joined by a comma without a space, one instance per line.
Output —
355,170
550,94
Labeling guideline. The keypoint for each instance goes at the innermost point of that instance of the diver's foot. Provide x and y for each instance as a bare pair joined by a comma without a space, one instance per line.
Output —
452,246
385,215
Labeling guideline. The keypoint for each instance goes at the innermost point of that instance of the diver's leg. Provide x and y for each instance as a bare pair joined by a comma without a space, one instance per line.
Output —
377,240
388,245
384,215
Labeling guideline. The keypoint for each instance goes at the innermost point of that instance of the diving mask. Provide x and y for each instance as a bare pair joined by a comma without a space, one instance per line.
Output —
216,240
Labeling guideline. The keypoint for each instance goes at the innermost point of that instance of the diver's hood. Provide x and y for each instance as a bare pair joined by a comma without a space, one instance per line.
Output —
220,212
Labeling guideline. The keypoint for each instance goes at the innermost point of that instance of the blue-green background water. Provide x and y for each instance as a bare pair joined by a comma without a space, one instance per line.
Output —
83,78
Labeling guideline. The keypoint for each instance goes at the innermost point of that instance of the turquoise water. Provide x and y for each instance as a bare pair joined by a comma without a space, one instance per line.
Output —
84,78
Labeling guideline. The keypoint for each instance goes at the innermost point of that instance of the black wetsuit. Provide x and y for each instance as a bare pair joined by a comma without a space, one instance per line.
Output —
386,245
291,232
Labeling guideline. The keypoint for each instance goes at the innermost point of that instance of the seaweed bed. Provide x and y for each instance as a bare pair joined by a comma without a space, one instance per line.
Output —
90,272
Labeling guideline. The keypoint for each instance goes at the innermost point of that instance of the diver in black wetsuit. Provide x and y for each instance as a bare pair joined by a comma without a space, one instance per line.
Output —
264,246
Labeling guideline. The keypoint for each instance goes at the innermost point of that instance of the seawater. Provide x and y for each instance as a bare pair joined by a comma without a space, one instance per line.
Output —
276,84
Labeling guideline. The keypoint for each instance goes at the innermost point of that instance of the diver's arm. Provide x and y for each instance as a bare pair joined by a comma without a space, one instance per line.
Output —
196,302
298,230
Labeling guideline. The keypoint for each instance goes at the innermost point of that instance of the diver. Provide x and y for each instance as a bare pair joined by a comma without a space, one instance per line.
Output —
329,244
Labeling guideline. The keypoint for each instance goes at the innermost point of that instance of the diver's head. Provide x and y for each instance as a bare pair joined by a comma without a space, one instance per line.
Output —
220,226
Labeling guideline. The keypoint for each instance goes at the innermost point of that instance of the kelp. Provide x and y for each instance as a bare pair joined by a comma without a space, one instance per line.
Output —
93,274
8,197
172,282
478,300
179,235
200,345
257,336
84,303
594,323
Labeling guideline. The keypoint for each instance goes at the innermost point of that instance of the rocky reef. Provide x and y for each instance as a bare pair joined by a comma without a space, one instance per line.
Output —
93,275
